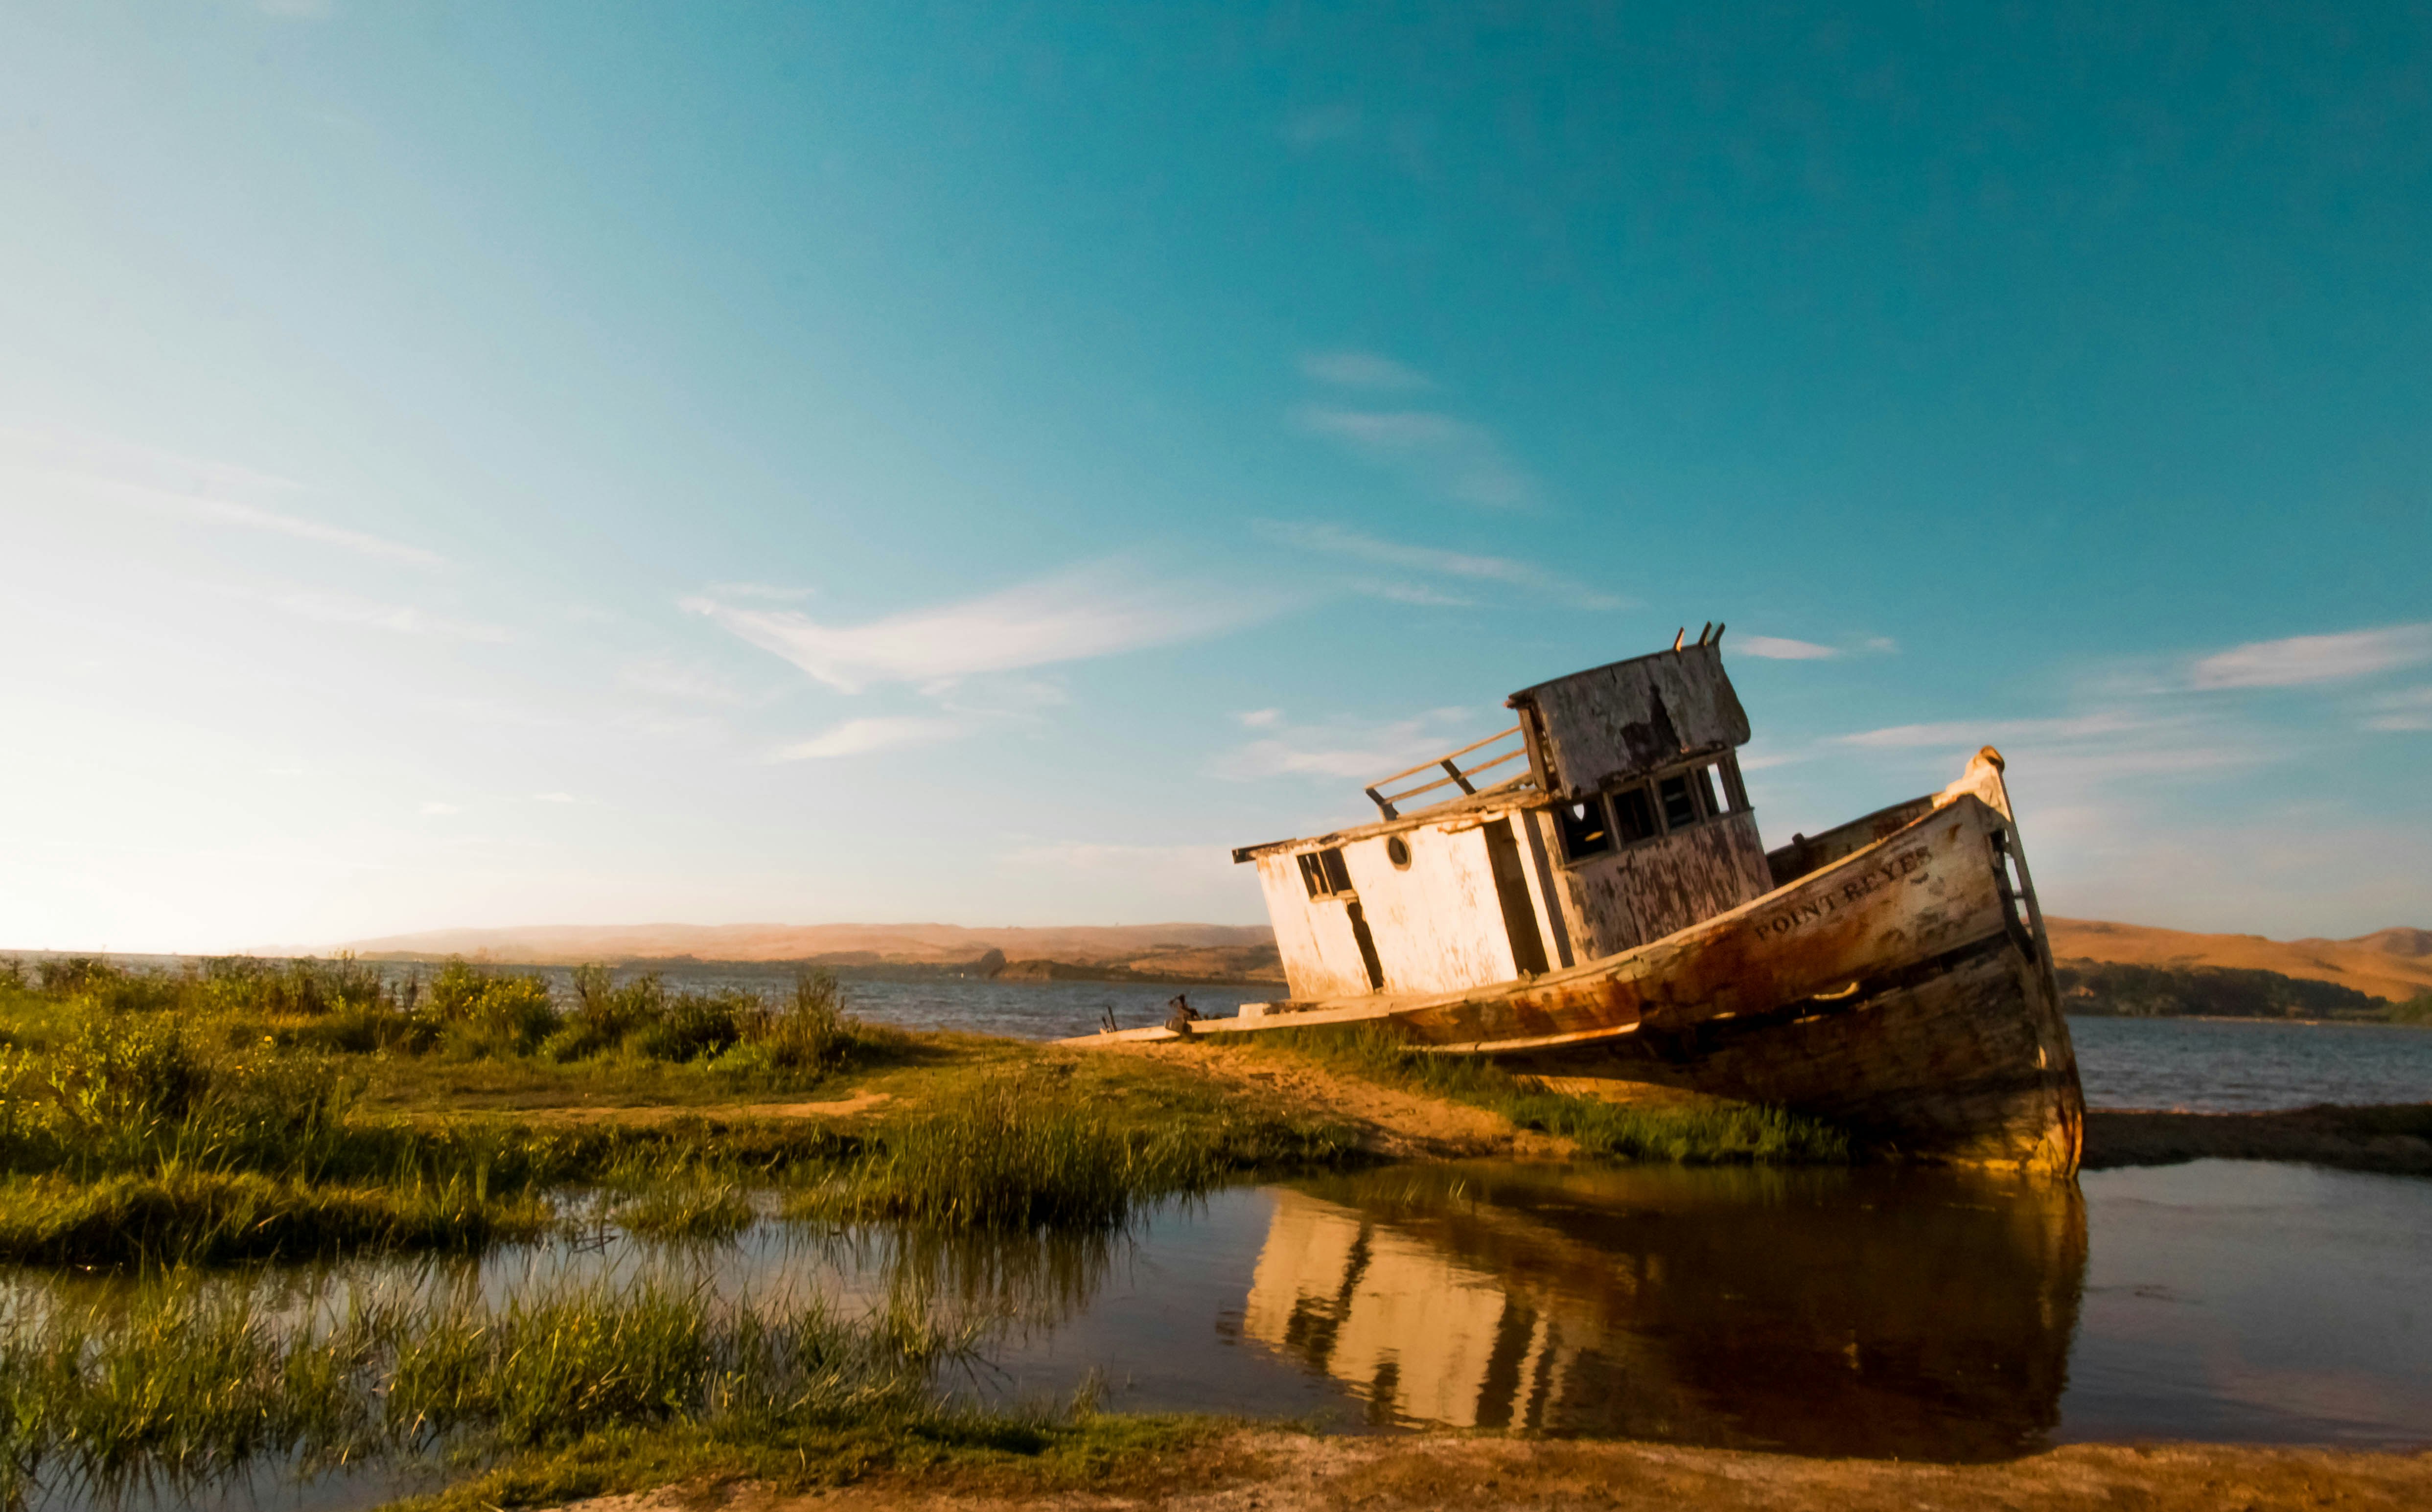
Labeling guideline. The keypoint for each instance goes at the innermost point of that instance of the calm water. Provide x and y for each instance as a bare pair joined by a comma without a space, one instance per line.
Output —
2248,1065
1842,1313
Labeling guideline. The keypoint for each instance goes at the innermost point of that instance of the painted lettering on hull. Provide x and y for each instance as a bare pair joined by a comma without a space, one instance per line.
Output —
1908,867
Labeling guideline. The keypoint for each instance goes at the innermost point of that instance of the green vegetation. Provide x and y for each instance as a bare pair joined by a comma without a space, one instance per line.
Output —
2415,1010
217,1113
251,1110
1024,1152
1706,1132
2106,990
191,1381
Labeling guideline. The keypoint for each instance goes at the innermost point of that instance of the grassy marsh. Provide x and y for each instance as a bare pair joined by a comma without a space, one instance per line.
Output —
243,1110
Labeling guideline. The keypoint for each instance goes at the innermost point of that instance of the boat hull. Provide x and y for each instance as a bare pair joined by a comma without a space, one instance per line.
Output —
1904,989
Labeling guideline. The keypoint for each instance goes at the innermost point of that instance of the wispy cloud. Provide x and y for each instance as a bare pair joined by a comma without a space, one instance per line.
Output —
214,493
555,798
2304,659
436,809
2410,710
1410,593
1357,751
776,592
1474,566
1783,648
1441,452
1261,718
664,677
1361,370
252,517
1090,612
859,737
339,609
1977,732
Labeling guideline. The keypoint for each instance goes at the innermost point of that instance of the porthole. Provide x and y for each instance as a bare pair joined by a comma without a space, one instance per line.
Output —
1397,850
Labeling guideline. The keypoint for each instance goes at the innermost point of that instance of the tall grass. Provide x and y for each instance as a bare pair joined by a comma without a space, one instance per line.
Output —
1015,1153
1706,1134
185,1382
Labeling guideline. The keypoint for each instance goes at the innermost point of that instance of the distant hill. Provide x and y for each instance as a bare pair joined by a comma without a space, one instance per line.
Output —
2394,964
1200,952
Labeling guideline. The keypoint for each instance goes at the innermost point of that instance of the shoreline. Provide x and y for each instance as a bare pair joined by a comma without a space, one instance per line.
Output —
1275,1469
2389,1138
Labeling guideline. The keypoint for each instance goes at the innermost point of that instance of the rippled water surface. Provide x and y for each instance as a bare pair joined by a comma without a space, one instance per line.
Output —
2248,1065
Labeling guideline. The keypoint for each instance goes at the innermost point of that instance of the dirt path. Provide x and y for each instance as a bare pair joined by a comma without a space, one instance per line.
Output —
654,1113
1402,1125
1276,1472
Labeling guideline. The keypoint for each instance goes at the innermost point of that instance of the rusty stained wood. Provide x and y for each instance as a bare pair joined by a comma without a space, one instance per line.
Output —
1656,887
1628,718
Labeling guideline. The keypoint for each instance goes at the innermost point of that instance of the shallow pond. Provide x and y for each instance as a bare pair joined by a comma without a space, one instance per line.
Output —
1842,1313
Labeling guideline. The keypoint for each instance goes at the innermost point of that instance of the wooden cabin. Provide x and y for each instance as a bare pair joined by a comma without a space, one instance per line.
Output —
1628,822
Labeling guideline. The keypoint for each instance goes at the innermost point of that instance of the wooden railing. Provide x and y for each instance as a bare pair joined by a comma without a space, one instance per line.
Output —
1455,774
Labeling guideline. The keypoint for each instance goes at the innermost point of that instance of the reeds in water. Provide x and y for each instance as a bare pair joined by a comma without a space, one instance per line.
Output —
1015,1153
187,1381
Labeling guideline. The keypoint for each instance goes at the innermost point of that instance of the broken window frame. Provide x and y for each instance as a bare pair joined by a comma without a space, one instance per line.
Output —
1323,873
1617,799
1571,832
1708,800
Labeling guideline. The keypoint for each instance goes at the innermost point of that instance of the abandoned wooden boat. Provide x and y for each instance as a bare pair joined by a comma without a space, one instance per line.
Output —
1605,917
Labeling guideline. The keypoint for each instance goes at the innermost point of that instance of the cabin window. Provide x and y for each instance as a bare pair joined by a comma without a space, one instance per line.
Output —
1701,782
1397,850
1733,788
1322,872
1583,828
1633,816
1680,808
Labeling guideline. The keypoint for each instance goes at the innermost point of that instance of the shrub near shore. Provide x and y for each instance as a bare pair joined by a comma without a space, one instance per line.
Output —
215,1113
244,1109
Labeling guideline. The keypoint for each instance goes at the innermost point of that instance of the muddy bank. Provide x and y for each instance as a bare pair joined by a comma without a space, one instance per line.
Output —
1273,1470
2395,1140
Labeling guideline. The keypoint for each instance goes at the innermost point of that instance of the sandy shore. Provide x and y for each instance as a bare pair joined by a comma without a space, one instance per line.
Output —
1274,1471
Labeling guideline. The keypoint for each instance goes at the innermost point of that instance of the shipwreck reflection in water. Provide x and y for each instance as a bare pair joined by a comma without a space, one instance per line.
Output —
1843,1312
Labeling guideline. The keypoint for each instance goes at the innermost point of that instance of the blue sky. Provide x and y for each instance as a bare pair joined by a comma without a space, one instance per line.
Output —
482,465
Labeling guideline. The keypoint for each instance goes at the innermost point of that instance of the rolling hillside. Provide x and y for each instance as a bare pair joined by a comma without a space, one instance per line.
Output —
2394,964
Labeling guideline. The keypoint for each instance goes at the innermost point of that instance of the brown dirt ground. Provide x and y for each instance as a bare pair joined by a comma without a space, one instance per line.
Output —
1399,1125
1273,1472
669,1112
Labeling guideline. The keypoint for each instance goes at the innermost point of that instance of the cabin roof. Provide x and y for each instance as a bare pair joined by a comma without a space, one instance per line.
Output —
1631,718
1580,733
1518,792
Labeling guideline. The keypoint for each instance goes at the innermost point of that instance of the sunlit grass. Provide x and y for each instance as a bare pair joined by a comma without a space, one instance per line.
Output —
1012,1153
1703,1133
